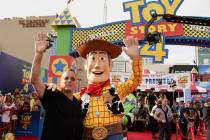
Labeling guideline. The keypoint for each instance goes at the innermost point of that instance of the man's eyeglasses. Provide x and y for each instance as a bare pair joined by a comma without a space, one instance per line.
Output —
69,78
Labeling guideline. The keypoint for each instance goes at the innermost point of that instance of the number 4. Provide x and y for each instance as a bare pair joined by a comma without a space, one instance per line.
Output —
156,51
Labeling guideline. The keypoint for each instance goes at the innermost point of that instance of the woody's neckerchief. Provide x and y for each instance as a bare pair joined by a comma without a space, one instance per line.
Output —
95,89
111,99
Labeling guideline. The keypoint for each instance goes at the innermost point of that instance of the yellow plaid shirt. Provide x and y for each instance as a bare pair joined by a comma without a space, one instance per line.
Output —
98,114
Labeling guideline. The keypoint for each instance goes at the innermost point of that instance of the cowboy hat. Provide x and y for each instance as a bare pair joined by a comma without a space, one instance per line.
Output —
99,45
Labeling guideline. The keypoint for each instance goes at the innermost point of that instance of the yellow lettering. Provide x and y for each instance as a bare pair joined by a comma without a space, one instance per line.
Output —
146,13
25,118
28,73
171,7
26,87
24,73
162,28
134,8
158,53
141,29
172,27
134,30
152,28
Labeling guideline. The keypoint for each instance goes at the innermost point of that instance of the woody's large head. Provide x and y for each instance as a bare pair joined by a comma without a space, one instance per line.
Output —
99,55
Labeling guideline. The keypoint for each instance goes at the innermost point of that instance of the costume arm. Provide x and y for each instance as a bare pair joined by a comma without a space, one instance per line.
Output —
132,83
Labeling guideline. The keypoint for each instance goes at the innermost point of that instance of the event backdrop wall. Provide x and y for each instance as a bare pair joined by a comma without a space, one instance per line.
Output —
15,73
12,72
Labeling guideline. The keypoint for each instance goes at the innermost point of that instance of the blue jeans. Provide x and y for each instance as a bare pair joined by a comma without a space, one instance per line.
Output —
115,137
112,137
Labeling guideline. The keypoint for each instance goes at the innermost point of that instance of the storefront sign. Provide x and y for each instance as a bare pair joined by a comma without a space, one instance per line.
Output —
33,23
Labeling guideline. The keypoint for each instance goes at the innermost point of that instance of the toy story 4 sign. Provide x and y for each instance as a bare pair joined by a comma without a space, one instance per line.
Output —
140,14
26,76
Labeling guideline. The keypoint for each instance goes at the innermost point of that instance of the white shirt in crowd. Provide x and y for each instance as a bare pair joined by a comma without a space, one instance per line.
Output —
160,115
6,114
153,110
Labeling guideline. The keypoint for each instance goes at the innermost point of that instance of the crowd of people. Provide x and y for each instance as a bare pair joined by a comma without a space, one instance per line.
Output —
188,118
13,103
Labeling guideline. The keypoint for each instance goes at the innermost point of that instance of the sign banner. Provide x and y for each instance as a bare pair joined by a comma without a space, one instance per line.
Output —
140,15
167,28
187,95
28,124
59,64
162,81
14,73
157,81
118,77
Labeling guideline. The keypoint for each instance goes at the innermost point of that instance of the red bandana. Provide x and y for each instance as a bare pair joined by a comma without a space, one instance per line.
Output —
94,89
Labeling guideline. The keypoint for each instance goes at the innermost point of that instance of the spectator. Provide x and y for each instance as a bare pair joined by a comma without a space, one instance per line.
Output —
26,107
8,110
207,118
150,100
153,121
1,104
183,122
164,117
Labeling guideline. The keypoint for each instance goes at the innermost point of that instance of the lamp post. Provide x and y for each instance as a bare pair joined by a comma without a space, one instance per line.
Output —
173,85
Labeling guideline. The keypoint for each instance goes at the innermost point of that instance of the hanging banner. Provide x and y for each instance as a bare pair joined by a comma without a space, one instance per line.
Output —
140,14
163,81
158,81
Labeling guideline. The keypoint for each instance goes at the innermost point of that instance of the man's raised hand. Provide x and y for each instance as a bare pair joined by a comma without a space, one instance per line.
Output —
41,43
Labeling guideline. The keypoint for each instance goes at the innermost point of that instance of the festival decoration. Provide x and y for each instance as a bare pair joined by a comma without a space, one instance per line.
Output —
59,64
175,31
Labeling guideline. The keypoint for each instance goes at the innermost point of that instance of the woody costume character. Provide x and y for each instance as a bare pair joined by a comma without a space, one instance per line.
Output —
101,103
